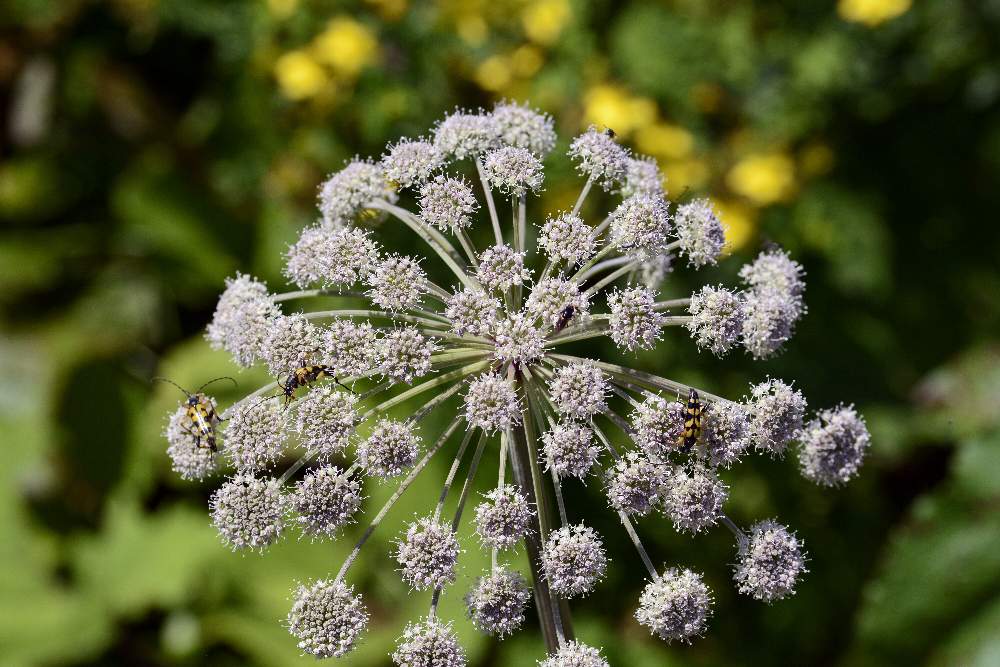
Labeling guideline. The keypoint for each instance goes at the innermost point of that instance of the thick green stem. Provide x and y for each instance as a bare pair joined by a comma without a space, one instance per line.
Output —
741,537
577,335
533,545
468,247
537,407
522,220
440,293
452,354
468,341
352,294
599,229
555,622
501,478
307,293
618,389
643,555
517,222
515,226
606,442
626,521
429,406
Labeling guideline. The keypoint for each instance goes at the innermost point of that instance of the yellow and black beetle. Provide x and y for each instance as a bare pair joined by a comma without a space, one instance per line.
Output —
200,415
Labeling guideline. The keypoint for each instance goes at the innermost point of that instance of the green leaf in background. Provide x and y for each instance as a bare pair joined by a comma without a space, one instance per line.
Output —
940,574
161,216
136,564
975,644
851,235
939,570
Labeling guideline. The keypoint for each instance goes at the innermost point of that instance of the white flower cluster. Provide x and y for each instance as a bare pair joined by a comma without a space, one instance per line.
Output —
473,334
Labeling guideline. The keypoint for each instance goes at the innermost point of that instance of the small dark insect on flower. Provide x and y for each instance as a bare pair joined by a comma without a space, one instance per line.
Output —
305,375
200,415
692,422
302,376
564,317
611,133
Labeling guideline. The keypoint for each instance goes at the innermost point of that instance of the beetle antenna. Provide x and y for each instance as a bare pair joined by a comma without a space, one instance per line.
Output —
337,380
262,400
224,377
163,379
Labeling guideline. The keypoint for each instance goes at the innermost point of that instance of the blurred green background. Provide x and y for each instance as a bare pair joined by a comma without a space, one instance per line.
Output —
150,148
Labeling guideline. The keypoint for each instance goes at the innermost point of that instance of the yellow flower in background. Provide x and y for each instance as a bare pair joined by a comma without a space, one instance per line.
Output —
544,20
606,105
500,72
527,60
872,12
738,219
494,73
299,75
346,45
391,10
816,159
707,96
685,174
282,9
764,178
472,29
670,142
289,175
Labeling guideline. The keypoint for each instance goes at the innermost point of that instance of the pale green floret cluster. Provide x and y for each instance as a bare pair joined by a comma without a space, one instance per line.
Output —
643,177
411,162
325,500
429,643
290,342
249,512
575,654
327,618
427,554
574,560
497,601
770,562
676,606
504,519
390,450
480,329
255,436
345,196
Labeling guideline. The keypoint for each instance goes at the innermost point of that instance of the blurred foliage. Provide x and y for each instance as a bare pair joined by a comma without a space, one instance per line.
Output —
152,147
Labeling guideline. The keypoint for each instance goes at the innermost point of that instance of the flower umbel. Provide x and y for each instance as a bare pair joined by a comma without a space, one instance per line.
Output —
475,336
